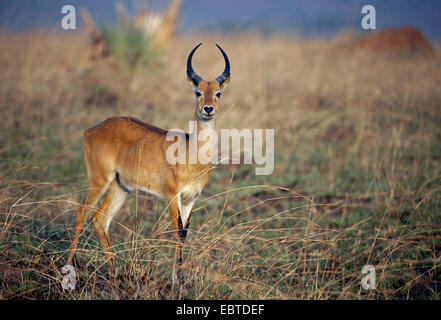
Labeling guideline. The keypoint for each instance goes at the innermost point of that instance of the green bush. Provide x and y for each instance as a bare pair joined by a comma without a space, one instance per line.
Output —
128,44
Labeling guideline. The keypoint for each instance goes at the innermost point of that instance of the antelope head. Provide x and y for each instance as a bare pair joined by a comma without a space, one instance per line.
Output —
207,93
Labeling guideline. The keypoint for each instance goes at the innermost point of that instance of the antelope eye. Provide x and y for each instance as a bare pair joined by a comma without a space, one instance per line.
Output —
218,94
198,94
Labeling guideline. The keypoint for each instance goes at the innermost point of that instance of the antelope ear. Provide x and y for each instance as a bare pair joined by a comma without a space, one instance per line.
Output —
193,85
224,84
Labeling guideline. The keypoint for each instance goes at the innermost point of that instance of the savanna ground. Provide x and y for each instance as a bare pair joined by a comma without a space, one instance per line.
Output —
357,173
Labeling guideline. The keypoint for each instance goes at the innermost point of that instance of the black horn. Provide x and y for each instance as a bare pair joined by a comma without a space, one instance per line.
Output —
221,79
193,75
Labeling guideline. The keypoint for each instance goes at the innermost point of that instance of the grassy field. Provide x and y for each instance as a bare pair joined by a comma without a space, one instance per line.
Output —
357,176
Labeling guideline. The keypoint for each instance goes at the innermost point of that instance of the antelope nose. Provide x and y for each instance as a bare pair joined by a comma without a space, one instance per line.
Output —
208,109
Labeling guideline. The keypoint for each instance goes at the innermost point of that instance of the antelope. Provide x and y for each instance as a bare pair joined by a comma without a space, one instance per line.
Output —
159,25
97,49
124,155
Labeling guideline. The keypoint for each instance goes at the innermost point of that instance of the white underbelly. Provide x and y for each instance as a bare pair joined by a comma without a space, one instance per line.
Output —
139,189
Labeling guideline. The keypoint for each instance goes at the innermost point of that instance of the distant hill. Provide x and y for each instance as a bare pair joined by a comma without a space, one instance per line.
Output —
304,17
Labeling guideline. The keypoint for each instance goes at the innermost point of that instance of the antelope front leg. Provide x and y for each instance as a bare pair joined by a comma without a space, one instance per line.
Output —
180,210
177,227
180,235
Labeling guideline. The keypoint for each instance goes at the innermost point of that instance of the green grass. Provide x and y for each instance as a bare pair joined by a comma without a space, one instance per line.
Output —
267,243
129,44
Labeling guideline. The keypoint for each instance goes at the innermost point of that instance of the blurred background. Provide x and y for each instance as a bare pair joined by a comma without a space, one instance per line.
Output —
356,113
304,17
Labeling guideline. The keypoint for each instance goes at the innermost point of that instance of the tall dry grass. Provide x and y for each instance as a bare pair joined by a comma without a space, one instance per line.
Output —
356,180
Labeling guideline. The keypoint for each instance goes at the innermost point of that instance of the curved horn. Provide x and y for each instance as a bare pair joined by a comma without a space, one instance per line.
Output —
190,72
221,79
